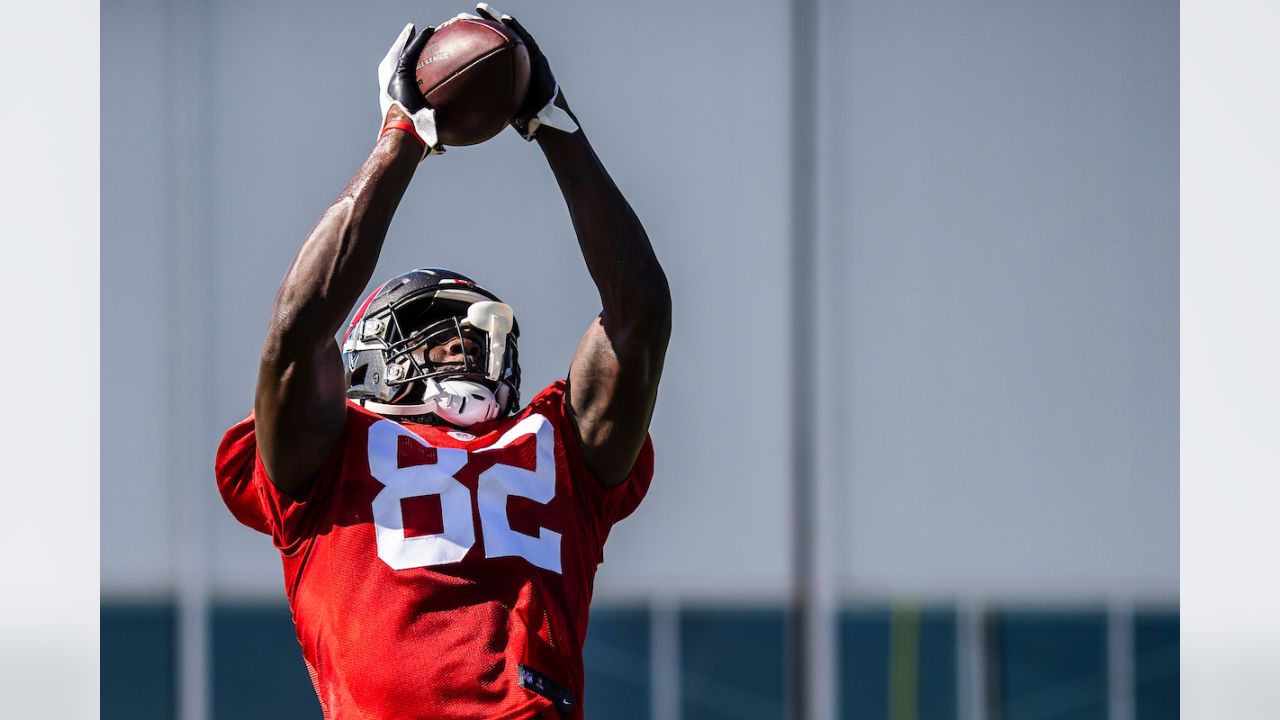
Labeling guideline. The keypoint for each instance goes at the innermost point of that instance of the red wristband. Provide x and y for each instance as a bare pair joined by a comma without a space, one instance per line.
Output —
406,127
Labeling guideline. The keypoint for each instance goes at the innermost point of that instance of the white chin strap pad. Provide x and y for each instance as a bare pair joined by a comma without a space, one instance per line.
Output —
461,402
552,116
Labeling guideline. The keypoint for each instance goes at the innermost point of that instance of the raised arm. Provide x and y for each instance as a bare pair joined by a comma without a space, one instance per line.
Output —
300,402
613,380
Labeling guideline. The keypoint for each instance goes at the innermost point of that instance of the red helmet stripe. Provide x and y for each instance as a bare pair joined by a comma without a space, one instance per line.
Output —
360,313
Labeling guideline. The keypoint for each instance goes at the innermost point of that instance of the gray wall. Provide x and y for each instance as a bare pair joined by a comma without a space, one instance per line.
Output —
997,230
1000,208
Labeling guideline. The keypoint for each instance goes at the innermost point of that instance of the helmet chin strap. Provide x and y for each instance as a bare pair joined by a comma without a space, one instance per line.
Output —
458,402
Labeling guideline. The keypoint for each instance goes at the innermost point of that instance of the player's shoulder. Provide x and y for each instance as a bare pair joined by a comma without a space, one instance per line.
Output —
552,398
548,402
360,417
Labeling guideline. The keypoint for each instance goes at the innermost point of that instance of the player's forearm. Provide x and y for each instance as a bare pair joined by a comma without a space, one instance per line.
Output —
339,255
615,246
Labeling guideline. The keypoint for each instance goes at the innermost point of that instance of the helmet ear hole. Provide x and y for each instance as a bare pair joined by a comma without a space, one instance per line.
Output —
358,375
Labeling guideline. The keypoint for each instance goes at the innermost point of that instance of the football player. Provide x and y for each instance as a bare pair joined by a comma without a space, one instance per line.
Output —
440,540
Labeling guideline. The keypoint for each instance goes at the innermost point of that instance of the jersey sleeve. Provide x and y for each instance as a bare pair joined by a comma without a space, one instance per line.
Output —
603,506
616,503
255,501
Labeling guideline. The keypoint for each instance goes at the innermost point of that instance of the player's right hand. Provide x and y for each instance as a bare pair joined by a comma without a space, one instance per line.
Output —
398,87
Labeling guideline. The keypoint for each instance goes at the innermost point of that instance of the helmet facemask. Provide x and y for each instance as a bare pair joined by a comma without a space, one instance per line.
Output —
448,355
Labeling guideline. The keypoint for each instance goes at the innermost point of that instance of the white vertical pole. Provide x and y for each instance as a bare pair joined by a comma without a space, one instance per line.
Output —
828,428
188,306
1120,664
811,640
664,659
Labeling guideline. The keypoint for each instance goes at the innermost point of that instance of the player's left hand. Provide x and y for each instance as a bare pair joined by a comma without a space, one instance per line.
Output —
539,106
398,87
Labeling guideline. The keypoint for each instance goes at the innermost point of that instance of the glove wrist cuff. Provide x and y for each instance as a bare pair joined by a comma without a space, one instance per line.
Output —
551,115
406,127
421,125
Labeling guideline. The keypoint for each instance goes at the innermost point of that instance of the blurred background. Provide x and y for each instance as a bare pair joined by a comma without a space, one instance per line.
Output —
917,438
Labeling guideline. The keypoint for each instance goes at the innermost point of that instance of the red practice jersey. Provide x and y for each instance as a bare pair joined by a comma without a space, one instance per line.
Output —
435,573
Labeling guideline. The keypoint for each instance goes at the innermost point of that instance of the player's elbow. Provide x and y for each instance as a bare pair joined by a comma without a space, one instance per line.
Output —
649,310
648,316
640,331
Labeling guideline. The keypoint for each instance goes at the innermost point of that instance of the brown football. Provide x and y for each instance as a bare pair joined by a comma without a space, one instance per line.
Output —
475,73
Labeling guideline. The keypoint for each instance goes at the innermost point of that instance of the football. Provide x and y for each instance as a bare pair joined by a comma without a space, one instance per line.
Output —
475,73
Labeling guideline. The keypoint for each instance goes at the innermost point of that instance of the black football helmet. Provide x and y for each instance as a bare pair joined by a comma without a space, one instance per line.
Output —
433,343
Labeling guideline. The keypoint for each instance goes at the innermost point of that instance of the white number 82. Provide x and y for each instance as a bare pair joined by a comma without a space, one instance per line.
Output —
458,535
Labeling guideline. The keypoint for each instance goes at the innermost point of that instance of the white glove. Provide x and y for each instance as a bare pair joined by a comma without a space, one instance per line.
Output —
398,87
